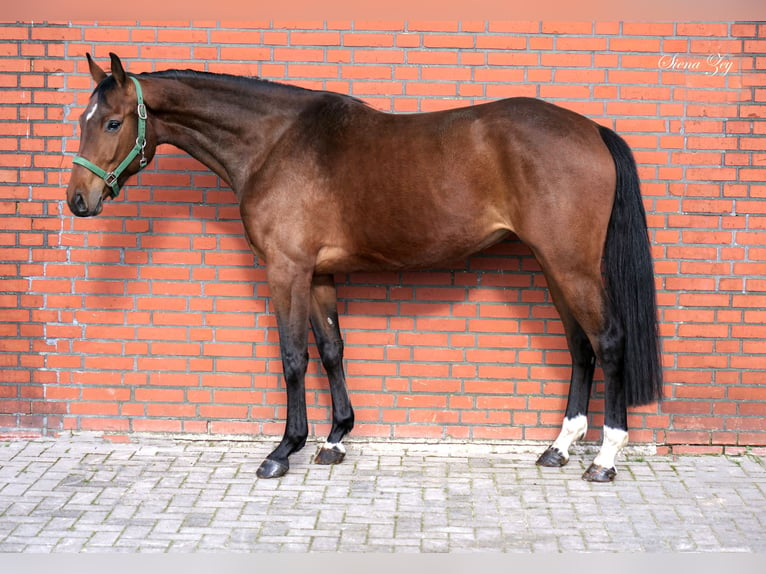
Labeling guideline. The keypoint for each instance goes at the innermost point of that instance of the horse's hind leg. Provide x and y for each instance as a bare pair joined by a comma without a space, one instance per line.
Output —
580,297
324,323
585,296
575,423
611,344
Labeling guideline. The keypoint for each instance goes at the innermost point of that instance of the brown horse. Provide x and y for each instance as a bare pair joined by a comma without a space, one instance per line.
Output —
329,185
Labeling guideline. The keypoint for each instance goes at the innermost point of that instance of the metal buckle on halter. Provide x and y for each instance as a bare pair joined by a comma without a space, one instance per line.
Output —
110,179
142,111
141,145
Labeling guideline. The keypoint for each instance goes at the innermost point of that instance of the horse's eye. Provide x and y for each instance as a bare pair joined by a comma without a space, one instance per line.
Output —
113,125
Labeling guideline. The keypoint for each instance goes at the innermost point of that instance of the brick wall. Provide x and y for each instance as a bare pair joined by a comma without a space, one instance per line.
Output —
154,316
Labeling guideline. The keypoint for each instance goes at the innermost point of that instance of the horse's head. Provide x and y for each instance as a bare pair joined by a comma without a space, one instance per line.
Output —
115,139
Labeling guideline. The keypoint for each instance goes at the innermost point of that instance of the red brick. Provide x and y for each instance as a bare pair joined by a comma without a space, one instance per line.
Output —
368,40
567,27
501,42
648,28
245,53
701,29
315,38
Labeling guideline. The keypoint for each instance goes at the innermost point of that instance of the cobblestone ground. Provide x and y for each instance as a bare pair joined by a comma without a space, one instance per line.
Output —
80,494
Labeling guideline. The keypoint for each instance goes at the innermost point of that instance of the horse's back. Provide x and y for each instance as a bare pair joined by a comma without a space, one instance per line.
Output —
497,153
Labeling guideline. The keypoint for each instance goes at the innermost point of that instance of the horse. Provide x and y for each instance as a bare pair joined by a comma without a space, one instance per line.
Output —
327,184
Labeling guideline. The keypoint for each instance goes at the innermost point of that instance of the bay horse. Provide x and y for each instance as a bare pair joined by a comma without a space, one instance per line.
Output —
327,184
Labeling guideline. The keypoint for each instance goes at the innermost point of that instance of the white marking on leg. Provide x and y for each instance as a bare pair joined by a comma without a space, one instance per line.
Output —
336,446
614,441
571,430
92,111
329,321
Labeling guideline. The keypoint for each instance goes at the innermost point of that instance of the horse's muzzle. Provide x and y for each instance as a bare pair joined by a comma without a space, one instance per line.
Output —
79,207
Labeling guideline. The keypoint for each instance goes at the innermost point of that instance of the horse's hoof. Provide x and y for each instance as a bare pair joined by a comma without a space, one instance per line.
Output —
596,473
552,457
329,456
271,469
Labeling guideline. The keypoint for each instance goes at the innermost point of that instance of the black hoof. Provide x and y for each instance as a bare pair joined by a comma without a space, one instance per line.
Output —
329,456
552,457
596,473
271,469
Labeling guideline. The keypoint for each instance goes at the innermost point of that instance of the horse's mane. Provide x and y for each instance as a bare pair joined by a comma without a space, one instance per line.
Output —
243,81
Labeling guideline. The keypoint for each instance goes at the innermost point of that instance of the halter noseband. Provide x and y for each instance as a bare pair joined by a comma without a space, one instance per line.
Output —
111,177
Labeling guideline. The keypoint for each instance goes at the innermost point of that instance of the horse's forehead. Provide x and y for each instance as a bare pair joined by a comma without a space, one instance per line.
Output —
109,95
102,102
91,110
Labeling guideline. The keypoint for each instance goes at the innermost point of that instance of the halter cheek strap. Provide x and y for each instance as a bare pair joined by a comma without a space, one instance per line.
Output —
110,178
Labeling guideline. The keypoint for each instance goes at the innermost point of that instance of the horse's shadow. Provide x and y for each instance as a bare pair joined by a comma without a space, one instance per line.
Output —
185,246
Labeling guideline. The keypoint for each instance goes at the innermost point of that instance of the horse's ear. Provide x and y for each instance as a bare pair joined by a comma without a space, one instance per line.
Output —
95,71
117,70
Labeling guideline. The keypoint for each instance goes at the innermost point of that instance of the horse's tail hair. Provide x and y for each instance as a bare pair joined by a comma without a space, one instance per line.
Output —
629,276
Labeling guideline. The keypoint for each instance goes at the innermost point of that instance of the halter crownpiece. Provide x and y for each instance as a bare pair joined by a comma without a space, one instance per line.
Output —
110,178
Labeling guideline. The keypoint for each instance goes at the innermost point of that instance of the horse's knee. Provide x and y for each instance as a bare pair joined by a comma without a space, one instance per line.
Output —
331,354
294,365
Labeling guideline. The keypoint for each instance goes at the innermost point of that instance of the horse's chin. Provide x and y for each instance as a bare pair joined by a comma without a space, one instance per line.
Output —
99,208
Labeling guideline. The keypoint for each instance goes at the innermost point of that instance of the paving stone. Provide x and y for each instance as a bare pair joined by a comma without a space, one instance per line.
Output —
79,493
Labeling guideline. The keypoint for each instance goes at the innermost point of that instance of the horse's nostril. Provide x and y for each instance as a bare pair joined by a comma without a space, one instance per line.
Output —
79,203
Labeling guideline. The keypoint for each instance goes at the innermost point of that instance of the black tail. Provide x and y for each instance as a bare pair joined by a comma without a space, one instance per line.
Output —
630,279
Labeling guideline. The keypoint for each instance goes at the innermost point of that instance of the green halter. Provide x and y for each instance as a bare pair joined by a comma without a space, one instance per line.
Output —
111,177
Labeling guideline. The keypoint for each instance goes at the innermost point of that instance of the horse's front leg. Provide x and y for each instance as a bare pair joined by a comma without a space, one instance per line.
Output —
324,322
290,287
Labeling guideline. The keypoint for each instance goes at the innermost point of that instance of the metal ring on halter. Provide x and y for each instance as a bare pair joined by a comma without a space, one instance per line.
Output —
141,143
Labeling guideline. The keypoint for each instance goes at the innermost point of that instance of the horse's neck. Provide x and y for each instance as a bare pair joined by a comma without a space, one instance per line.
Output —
228,128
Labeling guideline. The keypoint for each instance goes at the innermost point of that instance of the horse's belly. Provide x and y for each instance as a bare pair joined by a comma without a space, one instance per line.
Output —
411,253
